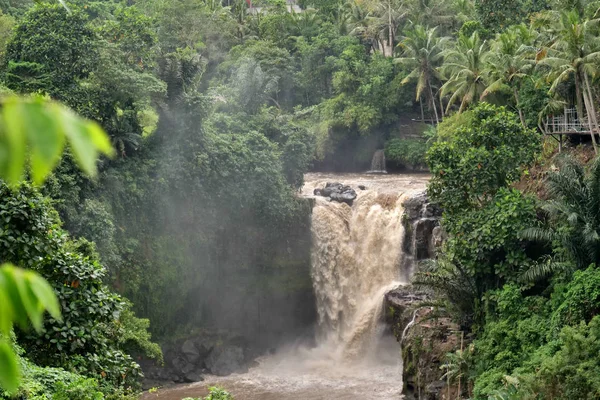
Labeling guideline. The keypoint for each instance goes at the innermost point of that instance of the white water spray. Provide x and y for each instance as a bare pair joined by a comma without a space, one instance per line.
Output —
355,260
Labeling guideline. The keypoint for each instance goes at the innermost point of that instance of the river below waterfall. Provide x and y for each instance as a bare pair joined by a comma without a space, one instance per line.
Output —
355,260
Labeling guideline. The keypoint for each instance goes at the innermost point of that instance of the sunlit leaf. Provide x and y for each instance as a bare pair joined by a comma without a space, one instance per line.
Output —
39,128
27,296
6,313
9,373
13,139
10,287
99,138
83,138
45,295
45,141
32,307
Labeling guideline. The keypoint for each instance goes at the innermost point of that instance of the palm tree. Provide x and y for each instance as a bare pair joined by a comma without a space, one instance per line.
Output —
464,10
389,16
436,13
422,53
341,18
455,285
464,65
509,62
364,24
305,23
573,54
574,209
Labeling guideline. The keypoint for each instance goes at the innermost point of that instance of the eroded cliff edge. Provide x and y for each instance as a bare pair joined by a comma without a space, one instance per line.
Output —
425,336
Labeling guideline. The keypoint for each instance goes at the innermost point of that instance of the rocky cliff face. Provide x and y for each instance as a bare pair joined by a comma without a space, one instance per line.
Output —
205,352
424,336
422,232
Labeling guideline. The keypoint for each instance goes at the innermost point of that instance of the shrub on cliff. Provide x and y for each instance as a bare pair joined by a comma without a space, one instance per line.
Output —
89,339
406,152
478,158
472,165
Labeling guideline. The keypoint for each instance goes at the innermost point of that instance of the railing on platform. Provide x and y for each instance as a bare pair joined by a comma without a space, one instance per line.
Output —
567,124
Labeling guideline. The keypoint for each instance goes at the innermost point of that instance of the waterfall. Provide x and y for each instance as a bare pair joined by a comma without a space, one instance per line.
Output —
378,163
355,261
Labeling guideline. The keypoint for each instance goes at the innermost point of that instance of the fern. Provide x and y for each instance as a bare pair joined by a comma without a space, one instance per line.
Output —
452,283
574,209
543,268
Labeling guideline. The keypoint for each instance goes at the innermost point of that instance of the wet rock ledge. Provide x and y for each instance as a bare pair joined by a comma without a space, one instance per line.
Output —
188,359
424,336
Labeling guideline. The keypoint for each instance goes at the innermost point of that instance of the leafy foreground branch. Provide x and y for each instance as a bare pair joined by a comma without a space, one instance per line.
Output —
24,297
33,134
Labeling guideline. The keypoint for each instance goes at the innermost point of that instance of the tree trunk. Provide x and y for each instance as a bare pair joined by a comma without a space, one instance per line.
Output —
591,111
437,121
590,118
391,34
381,44
521,116
578,97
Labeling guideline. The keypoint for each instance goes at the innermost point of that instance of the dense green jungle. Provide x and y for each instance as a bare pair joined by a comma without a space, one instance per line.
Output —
187,128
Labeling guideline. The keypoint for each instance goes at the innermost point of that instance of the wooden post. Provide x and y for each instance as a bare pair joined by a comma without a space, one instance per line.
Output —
448,380
560,141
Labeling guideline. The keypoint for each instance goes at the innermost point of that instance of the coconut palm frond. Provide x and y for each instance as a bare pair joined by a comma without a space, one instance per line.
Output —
542,269
537,235
575,214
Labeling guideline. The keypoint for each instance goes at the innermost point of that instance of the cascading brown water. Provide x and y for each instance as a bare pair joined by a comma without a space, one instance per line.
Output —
355,260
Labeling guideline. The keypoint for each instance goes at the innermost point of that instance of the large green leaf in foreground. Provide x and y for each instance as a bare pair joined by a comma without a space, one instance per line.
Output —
34,132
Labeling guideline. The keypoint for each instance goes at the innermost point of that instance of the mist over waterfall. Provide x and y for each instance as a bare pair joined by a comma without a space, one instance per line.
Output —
355,260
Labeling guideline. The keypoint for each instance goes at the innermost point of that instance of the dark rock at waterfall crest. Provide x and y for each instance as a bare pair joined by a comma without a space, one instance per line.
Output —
337,192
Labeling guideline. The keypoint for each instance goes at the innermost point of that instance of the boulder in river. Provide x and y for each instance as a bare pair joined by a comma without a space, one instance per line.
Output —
193,376
191,352
187,359
182,365
225,360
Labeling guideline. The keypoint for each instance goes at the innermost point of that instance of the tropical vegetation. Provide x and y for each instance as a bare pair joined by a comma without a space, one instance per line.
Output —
151,153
